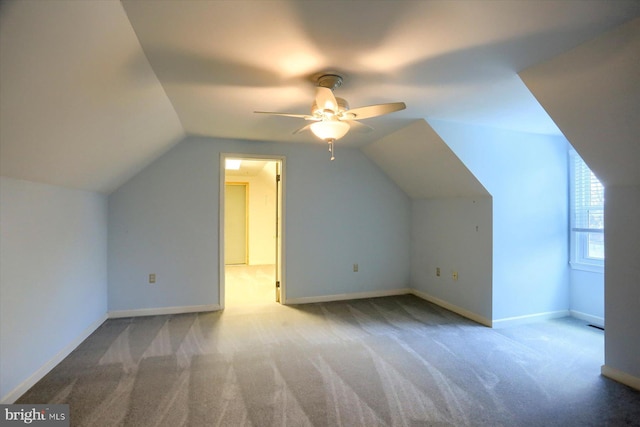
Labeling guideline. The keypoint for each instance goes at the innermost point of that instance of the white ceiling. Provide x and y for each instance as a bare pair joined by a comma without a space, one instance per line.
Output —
92,92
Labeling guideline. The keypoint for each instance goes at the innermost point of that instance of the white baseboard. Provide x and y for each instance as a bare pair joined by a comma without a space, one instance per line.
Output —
163,310
529,318
620,376
342,297
594,320
458,310
23,387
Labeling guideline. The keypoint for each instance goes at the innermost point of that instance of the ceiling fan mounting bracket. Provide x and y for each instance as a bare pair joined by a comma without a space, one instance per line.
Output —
331,81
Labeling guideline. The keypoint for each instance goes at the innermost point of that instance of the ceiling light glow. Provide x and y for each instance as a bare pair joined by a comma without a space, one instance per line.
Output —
330,129
232,164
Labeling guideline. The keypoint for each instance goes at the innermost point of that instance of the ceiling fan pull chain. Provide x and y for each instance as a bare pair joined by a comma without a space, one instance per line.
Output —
331,149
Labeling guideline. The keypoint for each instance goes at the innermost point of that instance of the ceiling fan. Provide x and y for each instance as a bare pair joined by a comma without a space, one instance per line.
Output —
331,117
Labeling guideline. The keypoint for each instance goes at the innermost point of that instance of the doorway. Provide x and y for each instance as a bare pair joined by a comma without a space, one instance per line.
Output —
251,249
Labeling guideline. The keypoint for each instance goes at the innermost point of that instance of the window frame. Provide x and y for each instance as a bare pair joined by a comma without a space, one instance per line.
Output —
580,234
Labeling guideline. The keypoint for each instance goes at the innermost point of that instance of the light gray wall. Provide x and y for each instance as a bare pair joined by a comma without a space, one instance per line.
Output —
593,94
53,281
448,202
526,175
165,221
622,280
454,234
515,189
586,291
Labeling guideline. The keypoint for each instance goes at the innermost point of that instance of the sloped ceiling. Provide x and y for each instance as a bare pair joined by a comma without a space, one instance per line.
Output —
94,90
452,60
593,94
80,107
423,165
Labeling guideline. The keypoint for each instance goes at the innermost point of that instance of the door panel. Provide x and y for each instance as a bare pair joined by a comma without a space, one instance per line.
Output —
235,224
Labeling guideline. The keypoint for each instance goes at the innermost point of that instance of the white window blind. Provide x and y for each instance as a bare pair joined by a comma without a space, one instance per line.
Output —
586,215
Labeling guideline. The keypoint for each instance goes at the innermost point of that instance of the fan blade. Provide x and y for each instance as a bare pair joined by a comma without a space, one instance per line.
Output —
302,129
374,110
297,116
325,99
359,127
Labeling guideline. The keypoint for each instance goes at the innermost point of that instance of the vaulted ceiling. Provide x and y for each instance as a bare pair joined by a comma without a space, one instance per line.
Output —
91,92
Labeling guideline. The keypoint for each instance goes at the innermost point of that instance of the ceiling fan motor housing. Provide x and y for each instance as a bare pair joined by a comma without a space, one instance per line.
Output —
343,105
331,81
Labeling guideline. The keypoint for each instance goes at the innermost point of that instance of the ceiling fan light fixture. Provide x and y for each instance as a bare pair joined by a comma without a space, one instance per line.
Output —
330,129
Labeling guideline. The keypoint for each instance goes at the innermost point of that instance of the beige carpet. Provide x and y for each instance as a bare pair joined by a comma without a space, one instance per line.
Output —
395,361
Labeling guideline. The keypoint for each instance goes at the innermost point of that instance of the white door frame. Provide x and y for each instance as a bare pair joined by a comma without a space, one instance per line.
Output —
281,239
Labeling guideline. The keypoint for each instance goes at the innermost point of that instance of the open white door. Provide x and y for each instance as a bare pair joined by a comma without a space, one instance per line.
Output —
278,232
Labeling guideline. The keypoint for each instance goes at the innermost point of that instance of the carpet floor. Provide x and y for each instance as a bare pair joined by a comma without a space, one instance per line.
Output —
249,285
393,361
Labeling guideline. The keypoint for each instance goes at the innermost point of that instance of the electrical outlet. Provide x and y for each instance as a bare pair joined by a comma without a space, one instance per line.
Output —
455,275
152,278
438,271
355,268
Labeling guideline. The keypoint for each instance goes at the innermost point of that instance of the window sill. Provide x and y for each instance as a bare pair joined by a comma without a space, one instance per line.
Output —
587,267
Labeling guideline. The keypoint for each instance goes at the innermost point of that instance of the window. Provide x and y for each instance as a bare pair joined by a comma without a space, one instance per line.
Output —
586,216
